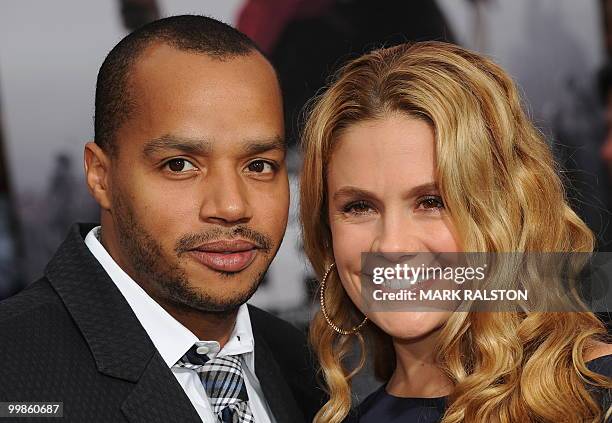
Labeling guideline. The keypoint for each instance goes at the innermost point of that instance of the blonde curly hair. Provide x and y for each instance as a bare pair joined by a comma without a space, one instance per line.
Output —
503,192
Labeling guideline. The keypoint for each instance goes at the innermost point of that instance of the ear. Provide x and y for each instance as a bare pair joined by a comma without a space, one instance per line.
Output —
97,174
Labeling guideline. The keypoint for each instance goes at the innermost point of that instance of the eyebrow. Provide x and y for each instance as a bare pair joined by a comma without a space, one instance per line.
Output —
261,146
204,147
172,142
351,191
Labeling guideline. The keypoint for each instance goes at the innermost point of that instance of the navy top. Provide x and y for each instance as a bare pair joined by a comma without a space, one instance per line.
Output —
381,406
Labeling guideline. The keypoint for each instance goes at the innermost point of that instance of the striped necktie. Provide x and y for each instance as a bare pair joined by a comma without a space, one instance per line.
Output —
223,383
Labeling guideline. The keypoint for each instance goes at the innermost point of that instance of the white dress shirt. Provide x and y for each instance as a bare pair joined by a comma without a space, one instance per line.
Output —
172,339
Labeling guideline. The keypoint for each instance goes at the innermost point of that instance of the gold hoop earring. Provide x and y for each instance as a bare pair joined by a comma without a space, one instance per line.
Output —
331,324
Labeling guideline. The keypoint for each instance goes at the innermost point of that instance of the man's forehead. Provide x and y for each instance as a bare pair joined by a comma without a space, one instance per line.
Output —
168,77
163,59
191,98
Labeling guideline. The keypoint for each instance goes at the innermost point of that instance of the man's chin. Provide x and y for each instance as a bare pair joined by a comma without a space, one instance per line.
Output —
219,309
225,306
224,297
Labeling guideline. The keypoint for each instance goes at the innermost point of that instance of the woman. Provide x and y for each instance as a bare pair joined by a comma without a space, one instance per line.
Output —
425,148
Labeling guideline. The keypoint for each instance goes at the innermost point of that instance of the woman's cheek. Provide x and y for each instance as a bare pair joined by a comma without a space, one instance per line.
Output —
349,242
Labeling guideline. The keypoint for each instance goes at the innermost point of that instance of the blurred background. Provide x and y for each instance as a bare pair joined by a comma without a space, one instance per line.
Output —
557,50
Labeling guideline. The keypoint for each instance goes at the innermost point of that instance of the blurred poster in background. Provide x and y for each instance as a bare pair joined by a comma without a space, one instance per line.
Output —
50,53
10,274
554,50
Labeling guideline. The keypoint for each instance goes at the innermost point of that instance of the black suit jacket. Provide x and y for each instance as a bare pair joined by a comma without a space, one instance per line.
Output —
72,337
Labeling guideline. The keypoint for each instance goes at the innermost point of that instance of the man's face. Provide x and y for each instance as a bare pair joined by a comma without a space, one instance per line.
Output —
199,187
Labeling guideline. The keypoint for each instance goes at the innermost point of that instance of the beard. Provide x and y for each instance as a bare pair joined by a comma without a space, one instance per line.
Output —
169,281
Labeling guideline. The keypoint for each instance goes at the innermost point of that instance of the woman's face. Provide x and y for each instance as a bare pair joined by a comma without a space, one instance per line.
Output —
383,198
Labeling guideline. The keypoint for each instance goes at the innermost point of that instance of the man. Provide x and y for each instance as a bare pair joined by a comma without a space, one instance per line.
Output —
143,318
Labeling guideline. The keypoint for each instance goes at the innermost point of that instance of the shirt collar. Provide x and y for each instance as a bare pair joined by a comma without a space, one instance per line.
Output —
169,336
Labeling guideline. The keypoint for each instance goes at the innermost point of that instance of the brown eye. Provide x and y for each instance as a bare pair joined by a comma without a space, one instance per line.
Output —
260,166
433,202
179,165
256,167
357,207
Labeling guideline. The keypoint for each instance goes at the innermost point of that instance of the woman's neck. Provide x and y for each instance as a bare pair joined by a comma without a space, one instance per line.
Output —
416,372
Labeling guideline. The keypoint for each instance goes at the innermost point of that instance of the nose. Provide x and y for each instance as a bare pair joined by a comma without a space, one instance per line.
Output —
225,200
399,237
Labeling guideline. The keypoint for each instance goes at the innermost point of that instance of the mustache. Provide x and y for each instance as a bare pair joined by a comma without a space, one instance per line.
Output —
191,241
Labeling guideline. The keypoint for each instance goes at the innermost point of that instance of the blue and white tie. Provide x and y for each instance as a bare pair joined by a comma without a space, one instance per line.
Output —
223,383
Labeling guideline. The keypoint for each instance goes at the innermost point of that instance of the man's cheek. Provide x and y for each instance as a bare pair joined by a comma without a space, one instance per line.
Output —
173,205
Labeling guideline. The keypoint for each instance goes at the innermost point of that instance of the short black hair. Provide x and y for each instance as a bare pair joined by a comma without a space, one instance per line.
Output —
194,33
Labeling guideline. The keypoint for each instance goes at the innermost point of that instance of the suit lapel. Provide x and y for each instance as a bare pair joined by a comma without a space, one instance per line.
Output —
154,399
119,344
276,390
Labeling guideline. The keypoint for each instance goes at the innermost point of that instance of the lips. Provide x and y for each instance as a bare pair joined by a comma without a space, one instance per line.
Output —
226,255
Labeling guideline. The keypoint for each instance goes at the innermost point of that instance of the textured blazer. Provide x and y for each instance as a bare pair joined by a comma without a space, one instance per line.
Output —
72,337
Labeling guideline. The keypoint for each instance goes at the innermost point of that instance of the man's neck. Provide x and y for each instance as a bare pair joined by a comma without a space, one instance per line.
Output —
205,326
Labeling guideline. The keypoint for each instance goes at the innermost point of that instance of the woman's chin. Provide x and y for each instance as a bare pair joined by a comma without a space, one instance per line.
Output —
409,325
